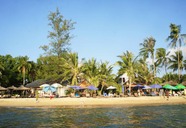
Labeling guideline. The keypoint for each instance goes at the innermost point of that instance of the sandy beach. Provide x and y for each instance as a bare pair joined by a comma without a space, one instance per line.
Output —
90,102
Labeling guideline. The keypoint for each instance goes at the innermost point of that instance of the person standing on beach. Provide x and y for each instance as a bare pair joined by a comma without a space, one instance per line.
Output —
167,94
37,96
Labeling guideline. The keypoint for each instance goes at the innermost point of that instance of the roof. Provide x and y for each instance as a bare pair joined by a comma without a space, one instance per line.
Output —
36,83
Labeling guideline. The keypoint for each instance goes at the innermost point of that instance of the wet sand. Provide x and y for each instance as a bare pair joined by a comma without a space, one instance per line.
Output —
90,102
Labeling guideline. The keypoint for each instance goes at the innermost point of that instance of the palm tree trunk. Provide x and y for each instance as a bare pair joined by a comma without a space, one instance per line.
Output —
23,75
130,82
154,65
179,61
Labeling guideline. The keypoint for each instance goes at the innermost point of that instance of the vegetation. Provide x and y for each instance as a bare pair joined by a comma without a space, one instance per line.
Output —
59,64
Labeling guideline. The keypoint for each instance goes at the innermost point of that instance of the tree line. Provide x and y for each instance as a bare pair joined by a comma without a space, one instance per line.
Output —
59,64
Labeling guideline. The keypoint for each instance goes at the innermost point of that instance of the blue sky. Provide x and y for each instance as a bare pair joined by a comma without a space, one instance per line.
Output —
104,29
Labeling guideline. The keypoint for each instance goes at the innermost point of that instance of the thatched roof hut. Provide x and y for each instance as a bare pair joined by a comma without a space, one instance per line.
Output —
22,88
3,89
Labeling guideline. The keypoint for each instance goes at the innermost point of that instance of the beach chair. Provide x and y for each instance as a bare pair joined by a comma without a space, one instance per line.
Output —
153,94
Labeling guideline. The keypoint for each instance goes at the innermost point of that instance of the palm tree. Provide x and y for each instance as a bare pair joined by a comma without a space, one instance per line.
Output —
32,70
176,39
71,68
91,71
105,75
22,66
162,58
128,65
175,59
148,50
145,76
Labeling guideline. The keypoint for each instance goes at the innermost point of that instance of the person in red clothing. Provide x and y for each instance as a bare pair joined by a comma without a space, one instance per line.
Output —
51,96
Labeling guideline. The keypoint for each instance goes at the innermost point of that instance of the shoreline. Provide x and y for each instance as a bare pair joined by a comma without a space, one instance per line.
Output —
91,102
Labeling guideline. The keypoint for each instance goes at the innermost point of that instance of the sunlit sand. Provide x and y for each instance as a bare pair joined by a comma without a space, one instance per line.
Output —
90,102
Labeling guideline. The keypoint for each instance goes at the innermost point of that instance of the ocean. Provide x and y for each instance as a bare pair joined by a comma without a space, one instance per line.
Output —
163,116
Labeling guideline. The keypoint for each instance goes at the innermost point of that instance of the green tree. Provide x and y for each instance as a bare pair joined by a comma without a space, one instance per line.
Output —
10,74
1,68
48,67
128,64
22,66
32,71
143,75
59,35
162,58
90,71
71,68
105,75
176,40
148,50
175,59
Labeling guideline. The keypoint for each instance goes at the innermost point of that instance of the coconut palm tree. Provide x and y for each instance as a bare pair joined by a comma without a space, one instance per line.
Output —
91,71
162,58
32,70
176,39
145,76
71,68
175,59
22,66
128,64
148,50
105,75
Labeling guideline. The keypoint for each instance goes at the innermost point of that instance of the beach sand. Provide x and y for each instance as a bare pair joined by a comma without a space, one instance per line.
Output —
90,102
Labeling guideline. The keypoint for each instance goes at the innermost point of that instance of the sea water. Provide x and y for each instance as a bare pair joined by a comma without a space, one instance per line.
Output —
164,116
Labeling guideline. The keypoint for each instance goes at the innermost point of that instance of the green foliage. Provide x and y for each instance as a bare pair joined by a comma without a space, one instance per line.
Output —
59,35
10,75
148,50
128,64
71,68
176,39
173,64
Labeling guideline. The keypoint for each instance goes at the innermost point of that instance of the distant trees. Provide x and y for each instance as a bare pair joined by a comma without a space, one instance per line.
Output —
9,74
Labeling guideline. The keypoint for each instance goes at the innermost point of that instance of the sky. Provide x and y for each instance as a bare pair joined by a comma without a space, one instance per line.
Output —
104,29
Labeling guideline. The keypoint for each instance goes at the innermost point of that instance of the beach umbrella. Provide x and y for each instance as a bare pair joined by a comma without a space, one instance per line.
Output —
180,86
111,87
3,89
168,86
92,87
44,85
156,86
138,86
56,85
146,87
76,87
49,88
12,87
22,88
